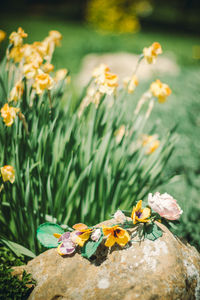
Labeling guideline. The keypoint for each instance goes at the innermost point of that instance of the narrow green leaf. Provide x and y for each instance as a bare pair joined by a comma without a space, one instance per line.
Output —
18,249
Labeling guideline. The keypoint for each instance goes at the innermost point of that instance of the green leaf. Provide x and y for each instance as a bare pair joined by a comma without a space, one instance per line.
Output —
45,234
18,249
152,232
90,247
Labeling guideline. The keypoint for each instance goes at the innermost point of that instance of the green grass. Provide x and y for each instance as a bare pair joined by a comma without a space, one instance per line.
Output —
182,107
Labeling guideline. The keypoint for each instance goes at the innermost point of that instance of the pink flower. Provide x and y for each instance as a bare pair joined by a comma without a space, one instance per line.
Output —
165,205
119,217
96,235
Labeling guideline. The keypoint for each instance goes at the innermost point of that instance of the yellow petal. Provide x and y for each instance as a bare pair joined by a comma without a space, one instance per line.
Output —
58,249
81,239
110,241
57,235
123,241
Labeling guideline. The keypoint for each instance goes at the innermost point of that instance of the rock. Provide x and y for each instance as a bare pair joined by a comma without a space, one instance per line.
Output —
162,269
123,64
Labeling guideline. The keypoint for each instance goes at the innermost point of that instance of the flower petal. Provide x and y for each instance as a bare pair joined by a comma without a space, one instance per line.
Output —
110,241
79,226
145,213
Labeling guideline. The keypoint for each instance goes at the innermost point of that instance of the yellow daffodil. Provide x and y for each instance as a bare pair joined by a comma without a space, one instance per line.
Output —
16,54
8,173
150,142
47,67
8,114
16,38
30,70
139,214
108,84
160,90
17,91
100,70
115,234
60,74
151,53
2,35
56,36
119,133
43,81
130,83
81,234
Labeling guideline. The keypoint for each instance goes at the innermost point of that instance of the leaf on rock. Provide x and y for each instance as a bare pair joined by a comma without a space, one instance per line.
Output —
152,232
45,234
90,247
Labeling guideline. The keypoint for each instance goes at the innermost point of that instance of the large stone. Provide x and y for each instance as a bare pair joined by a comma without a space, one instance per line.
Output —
162,269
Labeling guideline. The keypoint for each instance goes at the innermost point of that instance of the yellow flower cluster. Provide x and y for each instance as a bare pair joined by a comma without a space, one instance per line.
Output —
150,142
35,59
17,91
8,114
8,173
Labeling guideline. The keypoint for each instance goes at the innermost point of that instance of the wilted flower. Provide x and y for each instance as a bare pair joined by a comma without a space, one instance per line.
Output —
165,205
119,217
130,83
2,35
119,133
139,214
8,114
160,90
67,246
17,91
16,38
150,142
43,81
8,173
152,52
114,235
95,236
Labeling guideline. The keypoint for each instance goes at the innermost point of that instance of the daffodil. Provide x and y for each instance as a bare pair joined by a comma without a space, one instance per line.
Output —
119,133
2,35
115,234
16,54
130,83
8,114
43,81
30,70
56,36
8,173
150,142
160,90
109,83
151,53
100,70
16,38
17,91
139,214
47,67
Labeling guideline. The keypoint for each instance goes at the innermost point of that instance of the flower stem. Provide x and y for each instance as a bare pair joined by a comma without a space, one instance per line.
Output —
23,119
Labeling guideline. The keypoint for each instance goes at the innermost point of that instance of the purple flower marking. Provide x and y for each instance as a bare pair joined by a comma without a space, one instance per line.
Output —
67,245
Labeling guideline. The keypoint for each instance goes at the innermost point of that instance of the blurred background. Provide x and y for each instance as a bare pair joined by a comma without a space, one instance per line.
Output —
102,27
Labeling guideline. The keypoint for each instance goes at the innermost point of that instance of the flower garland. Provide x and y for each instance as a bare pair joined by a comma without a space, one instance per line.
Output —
161,208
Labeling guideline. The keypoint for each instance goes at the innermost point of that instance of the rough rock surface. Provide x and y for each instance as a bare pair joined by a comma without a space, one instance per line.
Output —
163,269
123,64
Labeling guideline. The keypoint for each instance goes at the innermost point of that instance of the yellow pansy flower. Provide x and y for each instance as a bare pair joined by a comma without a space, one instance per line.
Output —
81,235
2,35
139,214
160,90
16,38
115,234
8,114
151,53
43,81
17,91
8,173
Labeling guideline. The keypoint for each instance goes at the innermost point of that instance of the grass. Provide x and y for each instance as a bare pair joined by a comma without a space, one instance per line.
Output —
182,107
